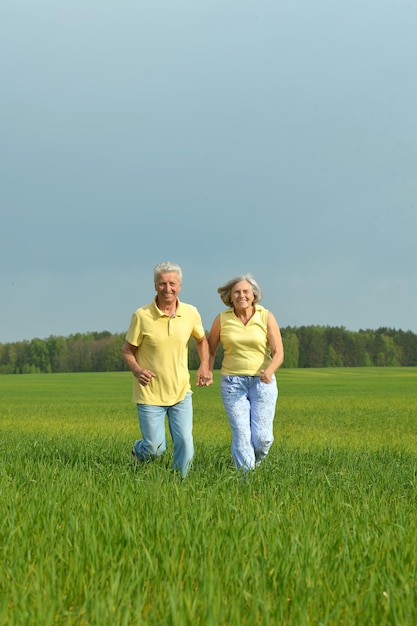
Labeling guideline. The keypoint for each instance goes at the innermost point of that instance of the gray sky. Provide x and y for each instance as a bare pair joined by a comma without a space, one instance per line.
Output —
230,136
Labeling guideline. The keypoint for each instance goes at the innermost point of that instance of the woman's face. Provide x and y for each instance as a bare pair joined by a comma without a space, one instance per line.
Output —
242,295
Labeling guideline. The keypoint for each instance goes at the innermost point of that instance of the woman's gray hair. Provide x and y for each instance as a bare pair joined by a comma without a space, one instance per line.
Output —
225,290
167,266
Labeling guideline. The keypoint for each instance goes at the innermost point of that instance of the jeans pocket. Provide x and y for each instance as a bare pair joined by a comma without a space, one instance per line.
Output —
230,385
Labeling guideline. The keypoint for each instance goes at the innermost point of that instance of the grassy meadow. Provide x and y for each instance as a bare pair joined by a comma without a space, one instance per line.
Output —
324,532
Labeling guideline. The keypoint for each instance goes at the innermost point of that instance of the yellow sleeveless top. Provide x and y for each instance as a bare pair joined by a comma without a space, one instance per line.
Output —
246,348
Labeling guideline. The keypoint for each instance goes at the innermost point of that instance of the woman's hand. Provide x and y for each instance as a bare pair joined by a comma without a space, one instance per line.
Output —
266,377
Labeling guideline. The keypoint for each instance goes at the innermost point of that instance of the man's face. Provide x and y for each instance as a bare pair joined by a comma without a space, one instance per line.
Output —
167,287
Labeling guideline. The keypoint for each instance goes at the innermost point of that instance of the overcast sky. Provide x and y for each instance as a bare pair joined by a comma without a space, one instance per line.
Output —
230,136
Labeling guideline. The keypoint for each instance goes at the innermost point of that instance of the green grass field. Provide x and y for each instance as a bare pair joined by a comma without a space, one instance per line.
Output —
323,533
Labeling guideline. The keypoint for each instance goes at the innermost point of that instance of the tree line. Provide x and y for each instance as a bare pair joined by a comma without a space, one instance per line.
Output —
305,347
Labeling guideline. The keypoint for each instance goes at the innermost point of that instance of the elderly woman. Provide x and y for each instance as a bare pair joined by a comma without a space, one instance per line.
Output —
253,351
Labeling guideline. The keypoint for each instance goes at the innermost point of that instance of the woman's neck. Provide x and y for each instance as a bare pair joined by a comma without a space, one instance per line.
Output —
244,315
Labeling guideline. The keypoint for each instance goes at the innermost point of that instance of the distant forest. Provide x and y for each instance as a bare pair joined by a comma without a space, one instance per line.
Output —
305,347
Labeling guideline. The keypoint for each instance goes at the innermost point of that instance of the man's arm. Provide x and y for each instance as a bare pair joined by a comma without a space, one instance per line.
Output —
129,356
204,375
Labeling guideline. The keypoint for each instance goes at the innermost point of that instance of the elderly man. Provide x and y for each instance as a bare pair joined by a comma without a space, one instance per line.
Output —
156,352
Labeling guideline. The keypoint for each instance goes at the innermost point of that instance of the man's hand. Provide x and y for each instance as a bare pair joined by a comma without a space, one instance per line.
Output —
145,376
204,379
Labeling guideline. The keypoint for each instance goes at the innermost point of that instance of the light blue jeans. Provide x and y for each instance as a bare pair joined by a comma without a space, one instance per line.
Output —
152,426
250,408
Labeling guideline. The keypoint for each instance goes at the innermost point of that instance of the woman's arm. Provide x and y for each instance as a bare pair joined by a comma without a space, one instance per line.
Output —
277,349
213,341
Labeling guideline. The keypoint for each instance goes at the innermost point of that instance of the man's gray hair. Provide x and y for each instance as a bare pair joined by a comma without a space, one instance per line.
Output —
225,290
167,266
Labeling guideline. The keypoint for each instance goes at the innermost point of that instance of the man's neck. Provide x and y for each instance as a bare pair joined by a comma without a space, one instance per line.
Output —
167,308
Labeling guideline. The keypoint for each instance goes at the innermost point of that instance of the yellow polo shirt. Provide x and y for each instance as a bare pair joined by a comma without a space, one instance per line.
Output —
246,348
162,343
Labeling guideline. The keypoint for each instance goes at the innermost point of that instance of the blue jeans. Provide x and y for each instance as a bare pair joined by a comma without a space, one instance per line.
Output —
152,426
250,408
